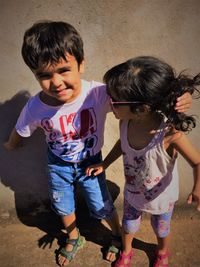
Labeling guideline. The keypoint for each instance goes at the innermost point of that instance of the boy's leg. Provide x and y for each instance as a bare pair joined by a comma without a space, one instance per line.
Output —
69,222
101,206
61,189
116,236
114,224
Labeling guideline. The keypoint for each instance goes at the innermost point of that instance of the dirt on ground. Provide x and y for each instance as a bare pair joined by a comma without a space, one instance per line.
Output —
31,240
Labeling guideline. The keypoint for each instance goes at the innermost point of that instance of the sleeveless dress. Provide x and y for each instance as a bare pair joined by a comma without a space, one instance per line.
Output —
151,177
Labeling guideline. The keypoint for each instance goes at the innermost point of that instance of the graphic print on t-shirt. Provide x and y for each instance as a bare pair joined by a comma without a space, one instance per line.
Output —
75,138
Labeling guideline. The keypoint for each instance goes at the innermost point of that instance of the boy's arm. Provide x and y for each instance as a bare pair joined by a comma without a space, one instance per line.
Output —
113,155
14,141
192,155
184,102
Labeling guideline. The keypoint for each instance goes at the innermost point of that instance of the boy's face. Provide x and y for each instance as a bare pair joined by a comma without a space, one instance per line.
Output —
61,81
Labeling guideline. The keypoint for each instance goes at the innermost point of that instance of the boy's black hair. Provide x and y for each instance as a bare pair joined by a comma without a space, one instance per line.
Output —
152,81
48,41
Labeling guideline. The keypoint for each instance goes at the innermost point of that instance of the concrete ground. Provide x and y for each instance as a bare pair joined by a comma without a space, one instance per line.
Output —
31,240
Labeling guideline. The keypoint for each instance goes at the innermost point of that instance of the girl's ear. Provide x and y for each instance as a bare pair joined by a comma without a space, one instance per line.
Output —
143,109
146,108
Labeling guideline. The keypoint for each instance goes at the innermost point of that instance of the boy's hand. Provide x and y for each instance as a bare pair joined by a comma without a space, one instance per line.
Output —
95,169
14,141
9,146
194,197
184,102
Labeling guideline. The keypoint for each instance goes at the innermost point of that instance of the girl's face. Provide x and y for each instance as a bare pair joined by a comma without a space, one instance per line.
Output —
124,109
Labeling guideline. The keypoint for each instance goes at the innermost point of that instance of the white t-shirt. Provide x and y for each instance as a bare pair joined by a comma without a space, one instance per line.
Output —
74,131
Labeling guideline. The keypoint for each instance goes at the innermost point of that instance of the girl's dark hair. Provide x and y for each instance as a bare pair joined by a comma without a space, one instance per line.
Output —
48,41
152,81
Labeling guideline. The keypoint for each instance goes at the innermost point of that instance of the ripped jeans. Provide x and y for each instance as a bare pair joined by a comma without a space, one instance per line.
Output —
63,178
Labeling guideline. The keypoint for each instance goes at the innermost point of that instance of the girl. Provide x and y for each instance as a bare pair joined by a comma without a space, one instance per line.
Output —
143,93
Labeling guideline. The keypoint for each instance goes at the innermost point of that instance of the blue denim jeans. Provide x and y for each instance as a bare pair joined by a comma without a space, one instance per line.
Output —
63,176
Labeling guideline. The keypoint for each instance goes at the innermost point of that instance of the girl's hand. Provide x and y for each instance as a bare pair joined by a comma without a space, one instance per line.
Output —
184,102
194,197
95,169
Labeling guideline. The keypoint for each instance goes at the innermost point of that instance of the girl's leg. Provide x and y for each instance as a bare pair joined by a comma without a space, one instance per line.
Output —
127,252
161,226
163,244
127,241
130,225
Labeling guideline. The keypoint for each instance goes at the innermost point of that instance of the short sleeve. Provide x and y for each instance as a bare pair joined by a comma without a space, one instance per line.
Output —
25,125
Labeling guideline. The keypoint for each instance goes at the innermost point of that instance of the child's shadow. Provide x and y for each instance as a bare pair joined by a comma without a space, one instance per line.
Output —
24,172
24,169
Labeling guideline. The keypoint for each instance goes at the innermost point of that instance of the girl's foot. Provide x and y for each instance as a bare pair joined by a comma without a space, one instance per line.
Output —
124,259
161,260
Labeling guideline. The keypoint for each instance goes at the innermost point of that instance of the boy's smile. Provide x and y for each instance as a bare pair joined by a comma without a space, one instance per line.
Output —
60,82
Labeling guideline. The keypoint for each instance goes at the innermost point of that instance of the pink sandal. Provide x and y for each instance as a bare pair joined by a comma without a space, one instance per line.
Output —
124,260
161,260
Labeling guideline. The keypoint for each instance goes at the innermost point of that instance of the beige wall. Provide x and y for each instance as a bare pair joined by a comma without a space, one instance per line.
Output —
113,31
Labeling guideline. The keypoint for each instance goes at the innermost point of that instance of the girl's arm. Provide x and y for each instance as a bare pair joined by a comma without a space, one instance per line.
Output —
14,141
113,155
182,144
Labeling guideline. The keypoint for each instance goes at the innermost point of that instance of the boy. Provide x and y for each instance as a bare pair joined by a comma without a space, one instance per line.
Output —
72,113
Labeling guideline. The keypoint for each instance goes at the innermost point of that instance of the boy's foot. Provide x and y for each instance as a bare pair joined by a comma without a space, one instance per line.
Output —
114,248
161,260
124,259
67,253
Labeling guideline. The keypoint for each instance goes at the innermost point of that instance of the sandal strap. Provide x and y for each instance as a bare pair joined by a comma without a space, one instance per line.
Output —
76,243
72,242
113,249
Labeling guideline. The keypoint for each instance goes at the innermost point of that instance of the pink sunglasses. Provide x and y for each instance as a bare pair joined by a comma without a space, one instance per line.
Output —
123,103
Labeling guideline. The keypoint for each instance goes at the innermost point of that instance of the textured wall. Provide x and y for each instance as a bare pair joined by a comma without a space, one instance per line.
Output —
113,31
